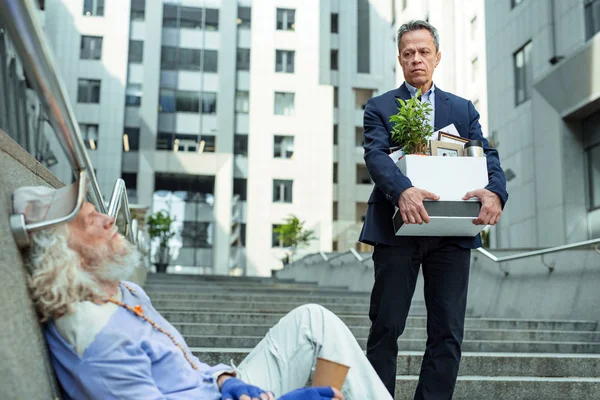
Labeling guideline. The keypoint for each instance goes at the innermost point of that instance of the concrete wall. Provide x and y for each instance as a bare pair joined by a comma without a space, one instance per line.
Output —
529,291
25,372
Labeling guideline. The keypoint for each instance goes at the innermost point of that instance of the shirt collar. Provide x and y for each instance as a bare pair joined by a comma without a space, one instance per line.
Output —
412,90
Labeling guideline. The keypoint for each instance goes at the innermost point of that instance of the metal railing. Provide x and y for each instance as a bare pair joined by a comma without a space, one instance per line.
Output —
352,254
20,19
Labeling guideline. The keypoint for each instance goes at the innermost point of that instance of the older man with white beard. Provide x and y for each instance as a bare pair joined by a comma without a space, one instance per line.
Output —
108,342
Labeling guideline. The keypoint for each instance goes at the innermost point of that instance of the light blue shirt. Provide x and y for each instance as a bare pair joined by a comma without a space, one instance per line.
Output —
129,359
428,97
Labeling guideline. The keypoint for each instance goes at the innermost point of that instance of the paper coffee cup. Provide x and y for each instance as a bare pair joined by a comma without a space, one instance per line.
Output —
329,373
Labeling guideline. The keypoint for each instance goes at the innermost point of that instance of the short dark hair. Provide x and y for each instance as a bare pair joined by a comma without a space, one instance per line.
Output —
417,24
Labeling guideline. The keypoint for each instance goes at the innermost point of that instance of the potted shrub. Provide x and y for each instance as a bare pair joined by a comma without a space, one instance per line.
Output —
159,227
410,126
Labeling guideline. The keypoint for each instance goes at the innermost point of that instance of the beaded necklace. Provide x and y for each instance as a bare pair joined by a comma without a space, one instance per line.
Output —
137,310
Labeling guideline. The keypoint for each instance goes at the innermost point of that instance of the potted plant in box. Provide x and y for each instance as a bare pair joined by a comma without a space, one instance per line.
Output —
410,126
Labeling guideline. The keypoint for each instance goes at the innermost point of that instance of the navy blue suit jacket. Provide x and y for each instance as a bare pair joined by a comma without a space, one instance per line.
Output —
390,182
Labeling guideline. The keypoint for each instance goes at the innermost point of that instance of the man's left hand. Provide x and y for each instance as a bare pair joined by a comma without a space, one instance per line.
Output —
491,206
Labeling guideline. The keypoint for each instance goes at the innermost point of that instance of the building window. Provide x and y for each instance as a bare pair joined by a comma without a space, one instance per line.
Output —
335,172
358,136
170,16
474,28
196,234
91,48
523,73
242,102
593,160
363,37
133,95
333,60
209,102
362,175
89,134
208,144
474,69
243,60
336,96
282,191
404,4
514,3
240,145
188,59
138,10
244,17
93,8
190,17
88,91
335,211
240,188
284,103
243,235
131,139
212,19
335,22
284,61
183,59
136,51
335,134
210,59
283,147
275,238
187,101
286,19
130,179
592,18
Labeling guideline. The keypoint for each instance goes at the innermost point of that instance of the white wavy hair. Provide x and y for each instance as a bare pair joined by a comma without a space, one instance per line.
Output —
63,272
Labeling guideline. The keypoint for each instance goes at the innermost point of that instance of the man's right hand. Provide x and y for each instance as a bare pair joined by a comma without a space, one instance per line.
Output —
314,393
411,206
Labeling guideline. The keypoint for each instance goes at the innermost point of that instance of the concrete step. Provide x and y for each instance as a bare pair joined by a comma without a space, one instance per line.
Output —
262,306
409,333
302,298
275,309
510,388
501,346
153,277
270,319
273,289
482,364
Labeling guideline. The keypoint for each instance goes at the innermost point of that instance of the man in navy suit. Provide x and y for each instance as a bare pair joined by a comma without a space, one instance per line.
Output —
397,259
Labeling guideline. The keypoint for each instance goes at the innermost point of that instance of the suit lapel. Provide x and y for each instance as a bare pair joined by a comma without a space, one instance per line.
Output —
442,109
402,92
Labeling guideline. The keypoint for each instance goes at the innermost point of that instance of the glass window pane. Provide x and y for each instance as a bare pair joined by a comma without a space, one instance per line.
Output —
190,17
167,101
278,61
209,103
291,20
212,19
240,145
244,17
334,22
138,10
187,101
133,94
242,102
211,58
169,16
279,24
136,51
133,138
168,58
284,103
290,61
188,59
243,59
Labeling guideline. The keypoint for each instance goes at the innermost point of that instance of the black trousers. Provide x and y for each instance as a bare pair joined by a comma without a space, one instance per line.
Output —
446,274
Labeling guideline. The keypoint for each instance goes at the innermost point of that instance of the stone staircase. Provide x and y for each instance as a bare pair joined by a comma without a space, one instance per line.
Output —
222,318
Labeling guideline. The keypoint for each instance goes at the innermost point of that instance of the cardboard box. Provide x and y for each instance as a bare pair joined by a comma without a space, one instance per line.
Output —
450,178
